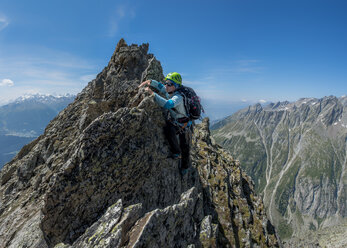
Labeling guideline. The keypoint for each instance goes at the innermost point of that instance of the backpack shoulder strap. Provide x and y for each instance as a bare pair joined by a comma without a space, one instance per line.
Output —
181,90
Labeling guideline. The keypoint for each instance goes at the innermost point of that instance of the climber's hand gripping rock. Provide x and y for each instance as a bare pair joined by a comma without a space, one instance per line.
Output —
146,83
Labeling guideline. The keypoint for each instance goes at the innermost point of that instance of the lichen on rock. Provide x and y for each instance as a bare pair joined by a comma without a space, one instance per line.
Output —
99,176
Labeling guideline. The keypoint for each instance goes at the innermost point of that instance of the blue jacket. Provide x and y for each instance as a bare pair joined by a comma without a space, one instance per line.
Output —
173,102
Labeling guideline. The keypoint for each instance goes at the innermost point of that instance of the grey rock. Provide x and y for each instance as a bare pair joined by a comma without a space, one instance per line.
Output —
99,176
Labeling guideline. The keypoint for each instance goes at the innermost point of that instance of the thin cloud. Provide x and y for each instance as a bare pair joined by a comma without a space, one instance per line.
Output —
6,82
113,28
235,69
185,82
247,62
248,70
57,67
226,88
248,66
122,13
205,89
3,22
45,72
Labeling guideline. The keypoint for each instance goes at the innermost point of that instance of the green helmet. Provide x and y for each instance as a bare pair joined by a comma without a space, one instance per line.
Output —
175,77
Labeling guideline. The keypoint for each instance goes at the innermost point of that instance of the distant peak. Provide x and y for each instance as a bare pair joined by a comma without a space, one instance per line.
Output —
41,97
256,108
330,98
278,105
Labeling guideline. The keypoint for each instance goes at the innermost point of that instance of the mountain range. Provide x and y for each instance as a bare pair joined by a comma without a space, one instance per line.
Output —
296,153
24,119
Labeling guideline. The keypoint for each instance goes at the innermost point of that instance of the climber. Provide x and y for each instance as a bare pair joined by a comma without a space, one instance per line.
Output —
178,121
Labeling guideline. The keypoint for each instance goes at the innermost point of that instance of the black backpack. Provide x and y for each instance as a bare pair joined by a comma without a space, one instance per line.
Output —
191,102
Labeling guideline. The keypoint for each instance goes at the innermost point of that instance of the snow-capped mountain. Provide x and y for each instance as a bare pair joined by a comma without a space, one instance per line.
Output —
42,98
25,118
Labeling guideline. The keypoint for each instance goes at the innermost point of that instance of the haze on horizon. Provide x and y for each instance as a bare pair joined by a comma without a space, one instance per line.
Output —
231,52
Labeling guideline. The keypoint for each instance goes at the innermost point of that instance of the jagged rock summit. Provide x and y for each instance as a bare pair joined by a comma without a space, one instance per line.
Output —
99,176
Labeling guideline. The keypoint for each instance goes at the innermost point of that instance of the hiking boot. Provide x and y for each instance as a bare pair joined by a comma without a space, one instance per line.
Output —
175,156
183,172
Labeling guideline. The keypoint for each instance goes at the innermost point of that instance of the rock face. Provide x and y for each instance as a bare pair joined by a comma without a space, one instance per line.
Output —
296,153
99,176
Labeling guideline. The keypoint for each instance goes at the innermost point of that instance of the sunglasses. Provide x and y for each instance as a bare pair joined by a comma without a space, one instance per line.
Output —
169,84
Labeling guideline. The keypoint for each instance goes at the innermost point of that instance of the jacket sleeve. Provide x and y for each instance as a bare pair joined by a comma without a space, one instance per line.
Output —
159,86
168,104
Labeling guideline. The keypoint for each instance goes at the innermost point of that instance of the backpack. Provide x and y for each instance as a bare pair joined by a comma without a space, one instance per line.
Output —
191,102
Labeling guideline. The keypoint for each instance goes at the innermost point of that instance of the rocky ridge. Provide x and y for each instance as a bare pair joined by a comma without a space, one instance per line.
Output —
99,176
296,153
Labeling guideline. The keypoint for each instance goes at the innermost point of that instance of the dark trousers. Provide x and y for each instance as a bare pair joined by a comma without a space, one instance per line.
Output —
180,145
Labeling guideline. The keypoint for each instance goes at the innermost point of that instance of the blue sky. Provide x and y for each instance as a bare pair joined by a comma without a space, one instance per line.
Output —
229,51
